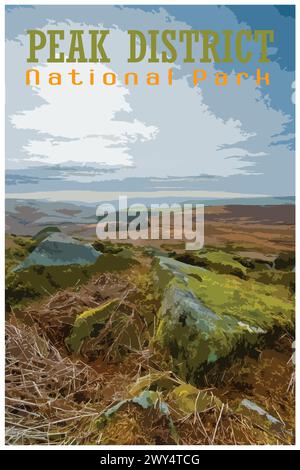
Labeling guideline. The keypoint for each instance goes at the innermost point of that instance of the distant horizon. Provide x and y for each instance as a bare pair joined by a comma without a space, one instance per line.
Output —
147,197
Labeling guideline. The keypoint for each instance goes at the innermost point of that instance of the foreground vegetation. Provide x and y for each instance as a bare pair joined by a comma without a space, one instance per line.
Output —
150,347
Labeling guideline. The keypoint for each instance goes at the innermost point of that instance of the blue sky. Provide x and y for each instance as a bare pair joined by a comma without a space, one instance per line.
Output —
124,138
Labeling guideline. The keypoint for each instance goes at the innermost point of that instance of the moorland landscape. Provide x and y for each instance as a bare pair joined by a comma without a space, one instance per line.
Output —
144,342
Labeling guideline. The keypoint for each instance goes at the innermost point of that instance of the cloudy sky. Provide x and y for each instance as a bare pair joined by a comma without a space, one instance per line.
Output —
179,138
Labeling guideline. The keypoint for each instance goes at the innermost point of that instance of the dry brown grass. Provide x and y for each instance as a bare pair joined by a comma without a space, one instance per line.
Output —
49,398
56,314
53,398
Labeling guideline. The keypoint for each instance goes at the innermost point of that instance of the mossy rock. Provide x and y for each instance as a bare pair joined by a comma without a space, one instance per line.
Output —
262,418
147,400
37,281
189,399
88,324
206,317
58,249
107,247
216,260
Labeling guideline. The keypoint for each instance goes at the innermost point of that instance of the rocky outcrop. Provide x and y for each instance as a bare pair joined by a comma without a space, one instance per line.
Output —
206,316
89,323
59,249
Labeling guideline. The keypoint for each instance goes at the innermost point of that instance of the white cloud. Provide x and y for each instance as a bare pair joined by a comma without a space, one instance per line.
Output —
84,113
89,115
147,131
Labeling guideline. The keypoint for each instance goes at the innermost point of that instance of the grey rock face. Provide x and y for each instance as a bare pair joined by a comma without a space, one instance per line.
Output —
59,249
